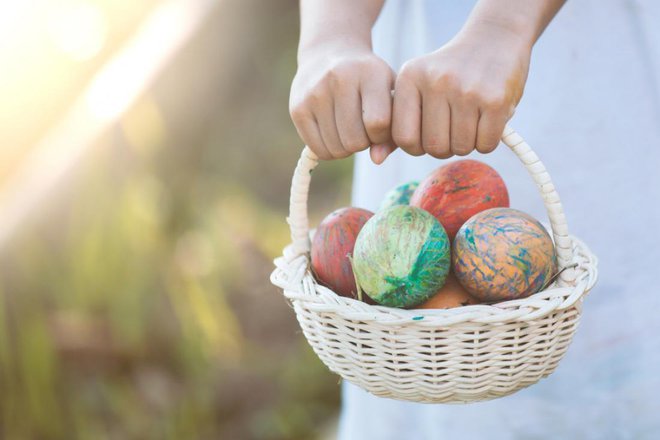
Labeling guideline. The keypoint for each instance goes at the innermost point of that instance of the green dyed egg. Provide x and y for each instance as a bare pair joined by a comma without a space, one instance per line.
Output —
401,256
399,195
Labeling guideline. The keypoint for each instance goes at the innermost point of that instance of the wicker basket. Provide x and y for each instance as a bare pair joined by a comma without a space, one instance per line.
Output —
460,355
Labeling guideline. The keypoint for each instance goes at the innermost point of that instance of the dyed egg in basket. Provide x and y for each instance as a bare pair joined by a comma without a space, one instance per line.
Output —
503,253
456,191
332,246
399,195
451,294
402,256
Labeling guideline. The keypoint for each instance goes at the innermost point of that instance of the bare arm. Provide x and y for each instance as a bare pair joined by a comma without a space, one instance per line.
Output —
347,22
459,97
340,97
526,18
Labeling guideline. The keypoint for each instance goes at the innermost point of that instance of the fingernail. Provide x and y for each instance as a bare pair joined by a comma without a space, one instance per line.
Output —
378,154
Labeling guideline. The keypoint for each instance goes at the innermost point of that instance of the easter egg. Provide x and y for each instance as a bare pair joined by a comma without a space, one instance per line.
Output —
503,254
399,195
451,295
332,244
456,191
402,256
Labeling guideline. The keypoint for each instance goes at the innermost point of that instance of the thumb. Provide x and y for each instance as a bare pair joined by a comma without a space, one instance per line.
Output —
380,152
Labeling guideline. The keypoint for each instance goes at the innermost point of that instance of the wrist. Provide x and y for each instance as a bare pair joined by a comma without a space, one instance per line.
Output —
334,43
523,18
513,34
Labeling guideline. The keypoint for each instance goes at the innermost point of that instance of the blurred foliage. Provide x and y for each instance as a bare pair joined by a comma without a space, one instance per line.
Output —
136,303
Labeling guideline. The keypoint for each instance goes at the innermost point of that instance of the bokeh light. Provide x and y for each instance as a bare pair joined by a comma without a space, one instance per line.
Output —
79,30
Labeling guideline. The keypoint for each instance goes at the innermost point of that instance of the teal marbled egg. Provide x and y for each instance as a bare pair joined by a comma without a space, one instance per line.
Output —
402,256
399,195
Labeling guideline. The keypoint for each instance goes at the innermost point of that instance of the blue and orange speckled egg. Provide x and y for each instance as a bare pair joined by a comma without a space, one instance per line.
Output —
402,256
502,254
332,244
458,190
399,195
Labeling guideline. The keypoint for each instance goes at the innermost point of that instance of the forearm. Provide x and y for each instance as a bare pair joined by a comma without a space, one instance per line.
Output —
525,18
345,22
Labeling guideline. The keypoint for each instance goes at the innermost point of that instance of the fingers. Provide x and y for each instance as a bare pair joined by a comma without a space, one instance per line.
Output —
406,116
343,106
348,115
489,130
325,117
463,131
450,102
436,117
377,108
377,116
308,130
332,124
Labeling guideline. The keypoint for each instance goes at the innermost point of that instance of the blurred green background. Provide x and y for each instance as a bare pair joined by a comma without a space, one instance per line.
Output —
134,293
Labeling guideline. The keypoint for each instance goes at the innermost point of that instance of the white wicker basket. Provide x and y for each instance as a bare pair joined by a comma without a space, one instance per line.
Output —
459,355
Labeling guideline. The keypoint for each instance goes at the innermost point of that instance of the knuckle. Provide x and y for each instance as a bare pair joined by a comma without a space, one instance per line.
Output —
443,80
377,124
414,151
459,89
336,149
471,95
444,155
461,147
355,144
438,150
340,72
298,112
488,144
406,68
314,97
403,140
340,153
409,69
321,153
334,76
409,145
486,147
494,102
461,150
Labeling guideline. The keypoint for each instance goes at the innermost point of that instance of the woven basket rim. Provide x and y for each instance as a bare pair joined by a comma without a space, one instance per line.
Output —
295,278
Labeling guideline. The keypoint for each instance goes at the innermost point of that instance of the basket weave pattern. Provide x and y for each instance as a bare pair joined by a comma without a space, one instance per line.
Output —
460,355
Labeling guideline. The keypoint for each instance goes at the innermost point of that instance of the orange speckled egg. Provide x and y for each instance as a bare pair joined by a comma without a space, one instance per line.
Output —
451,295
502,254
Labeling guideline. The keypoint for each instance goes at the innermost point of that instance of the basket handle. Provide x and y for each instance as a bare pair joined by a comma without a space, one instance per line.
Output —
299,223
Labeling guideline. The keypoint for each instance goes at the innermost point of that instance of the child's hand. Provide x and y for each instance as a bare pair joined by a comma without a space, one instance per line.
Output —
341,102
459,97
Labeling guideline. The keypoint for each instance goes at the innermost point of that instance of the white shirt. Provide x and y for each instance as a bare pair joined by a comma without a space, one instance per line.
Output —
591,110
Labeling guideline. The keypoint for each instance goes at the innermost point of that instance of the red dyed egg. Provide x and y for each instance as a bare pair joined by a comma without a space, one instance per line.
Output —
332,244
451,295
455,192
